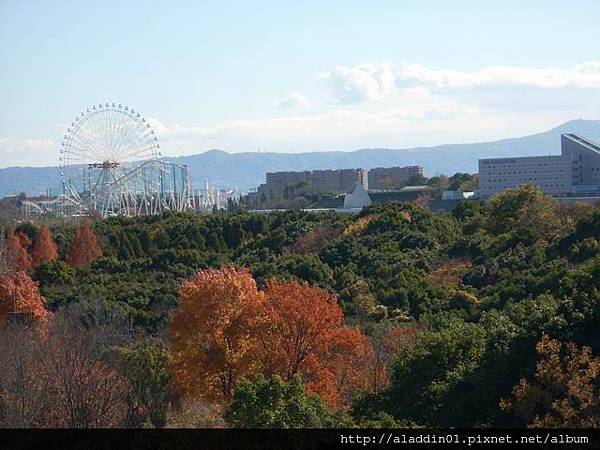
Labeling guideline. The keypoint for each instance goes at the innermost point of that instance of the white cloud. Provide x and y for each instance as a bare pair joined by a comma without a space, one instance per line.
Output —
376,81
360,83
403,105
24,152
586,75
17,145
293,101
428,121
349,129
339,130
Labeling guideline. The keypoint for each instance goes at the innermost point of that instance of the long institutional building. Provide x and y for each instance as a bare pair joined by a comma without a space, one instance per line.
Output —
336,181
575,172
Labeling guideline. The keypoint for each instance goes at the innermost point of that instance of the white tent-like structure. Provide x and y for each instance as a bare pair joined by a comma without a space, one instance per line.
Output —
358,198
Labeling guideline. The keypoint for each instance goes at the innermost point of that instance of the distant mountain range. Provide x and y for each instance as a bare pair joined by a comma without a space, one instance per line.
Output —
247,170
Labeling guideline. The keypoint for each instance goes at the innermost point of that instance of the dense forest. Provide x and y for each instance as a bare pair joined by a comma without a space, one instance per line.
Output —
396,317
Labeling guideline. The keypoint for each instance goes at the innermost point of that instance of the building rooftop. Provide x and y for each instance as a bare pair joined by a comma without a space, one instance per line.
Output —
583,141
415,188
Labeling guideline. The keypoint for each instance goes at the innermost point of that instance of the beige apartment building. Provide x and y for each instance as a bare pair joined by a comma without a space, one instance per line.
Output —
313,181
390,178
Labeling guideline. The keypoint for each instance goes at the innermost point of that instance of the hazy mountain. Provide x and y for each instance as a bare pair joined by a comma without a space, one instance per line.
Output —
247,170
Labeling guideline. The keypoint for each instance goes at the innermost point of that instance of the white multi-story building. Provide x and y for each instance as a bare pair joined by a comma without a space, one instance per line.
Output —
575,172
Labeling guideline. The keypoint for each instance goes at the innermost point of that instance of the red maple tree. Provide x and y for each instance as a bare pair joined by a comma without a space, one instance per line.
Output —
225,329
212,332
304,333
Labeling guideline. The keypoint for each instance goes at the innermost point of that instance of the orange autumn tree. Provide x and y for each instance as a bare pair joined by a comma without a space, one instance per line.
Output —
298,320
20,298
213,332
342,370
85,248
303,333
45,248
16,249
225,329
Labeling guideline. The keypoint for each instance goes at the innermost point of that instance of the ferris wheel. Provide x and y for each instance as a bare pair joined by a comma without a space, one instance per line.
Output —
102,144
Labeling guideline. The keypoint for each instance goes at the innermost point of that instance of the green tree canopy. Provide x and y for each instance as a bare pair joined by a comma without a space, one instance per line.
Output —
272,403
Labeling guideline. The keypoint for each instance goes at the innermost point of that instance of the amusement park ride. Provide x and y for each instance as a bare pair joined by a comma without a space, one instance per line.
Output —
110,165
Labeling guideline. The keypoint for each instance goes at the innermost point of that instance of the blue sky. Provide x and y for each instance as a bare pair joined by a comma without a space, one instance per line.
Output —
297,76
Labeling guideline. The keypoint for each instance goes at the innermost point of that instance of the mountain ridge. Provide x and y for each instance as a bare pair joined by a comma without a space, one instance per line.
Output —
247,169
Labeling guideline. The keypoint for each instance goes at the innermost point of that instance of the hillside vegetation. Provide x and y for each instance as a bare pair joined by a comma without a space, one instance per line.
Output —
487,316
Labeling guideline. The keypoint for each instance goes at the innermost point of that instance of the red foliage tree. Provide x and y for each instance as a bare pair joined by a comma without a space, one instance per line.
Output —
303,333
17,245
213,332
298,320
45,248
342,369
85,248
226,329
21,299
